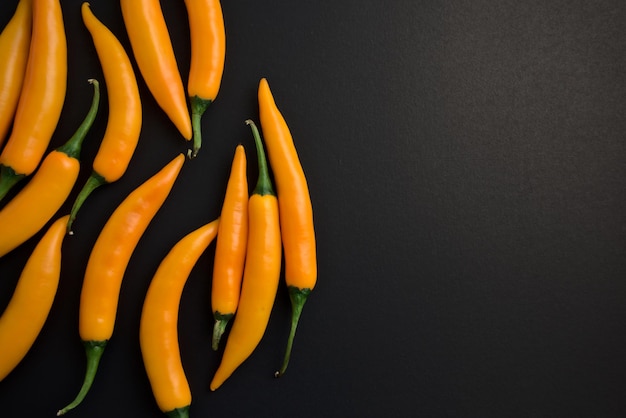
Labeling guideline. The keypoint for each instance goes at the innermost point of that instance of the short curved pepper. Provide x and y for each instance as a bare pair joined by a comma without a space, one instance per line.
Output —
158,334
153,51
27,311
125,115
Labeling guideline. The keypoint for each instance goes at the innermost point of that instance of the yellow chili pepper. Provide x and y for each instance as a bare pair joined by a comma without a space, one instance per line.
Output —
25,315
158,334
153,51
208,51
14,46
30,209
125,114
261,273
107,264
296,213
41,99
230,249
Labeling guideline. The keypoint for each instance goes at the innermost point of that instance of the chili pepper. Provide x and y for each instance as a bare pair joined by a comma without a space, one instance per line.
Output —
14,46
125,114
41,99
153,51
30,209
261,272
296,220
107,264
230,249
25,315
158,334
208,49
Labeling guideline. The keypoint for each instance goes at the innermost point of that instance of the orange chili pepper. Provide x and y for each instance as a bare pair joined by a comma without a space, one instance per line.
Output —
158,333
25,315
230,249
296,213
14,46
30,209
125,114
208,51
261,273
41,99
153,51
107,264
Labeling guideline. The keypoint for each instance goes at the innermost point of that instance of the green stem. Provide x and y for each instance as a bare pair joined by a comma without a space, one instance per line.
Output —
94,350
198,107
93,182
8,179
178,412
73,145
221,320
264,183
298,298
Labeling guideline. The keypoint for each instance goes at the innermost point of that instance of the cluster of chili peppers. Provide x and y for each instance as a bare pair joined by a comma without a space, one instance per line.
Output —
252,231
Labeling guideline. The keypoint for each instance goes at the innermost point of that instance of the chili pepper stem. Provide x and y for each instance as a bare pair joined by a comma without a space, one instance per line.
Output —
178,412
221,320
198,107
94,181
93,350
8,179
73,145
298,298
264,183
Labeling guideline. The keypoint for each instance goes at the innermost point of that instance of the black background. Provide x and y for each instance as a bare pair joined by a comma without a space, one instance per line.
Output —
466,165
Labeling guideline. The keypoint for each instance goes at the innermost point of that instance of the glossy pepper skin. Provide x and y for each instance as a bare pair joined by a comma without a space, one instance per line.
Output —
261,273
30,209
125,114
158,333
25,315
153,51
42,96
230,249
296,213
208,52
14,46
107,264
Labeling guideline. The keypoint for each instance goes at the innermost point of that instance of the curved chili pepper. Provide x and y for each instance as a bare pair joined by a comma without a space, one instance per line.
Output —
296,213
26,313
107,264
14,46
158,334
208,51
261,273
30,209
125,114
230,249
153,51
41,99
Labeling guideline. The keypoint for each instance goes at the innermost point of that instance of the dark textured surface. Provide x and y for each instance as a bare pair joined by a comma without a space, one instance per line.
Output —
466,165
